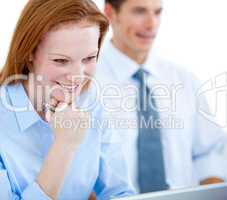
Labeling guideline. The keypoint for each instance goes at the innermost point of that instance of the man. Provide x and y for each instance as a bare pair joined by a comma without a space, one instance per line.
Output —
186,149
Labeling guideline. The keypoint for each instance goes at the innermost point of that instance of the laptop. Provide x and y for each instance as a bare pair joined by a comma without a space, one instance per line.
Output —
207,192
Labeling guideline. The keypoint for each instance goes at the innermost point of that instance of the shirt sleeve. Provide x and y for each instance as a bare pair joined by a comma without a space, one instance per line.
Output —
7,192
113,180
209,143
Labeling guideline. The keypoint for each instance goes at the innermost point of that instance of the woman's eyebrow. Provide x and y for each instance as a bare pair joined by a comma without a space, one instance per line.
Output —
58,54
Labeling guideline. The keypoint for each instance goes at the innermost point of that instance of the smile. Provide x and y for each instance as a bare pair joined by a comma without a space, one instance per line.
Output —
69,88
145,36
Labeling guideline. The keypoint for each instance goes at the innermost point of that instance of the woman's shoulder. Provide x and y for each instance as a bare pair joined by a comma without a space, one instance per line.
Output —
7,116
4,100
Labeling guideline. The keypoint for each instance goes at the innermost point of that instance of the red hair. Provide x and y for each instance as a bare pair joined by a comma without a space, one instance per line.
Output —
39,17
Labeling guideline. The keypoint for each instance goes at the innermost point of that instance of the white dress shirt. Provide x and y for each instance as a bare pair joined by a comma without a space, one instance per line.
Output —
192,145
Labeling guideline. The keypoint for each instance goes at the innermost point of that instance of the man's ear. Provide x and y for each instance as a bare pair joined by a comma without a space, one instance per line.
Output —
109,12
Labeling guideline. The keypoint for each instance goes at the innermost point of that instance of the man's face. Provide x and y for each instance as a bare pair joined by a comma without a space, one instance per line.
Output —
136,24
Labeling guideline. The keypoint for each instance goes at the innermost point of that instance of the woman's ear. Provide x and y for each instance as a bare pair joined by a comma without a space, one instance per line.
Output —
30,58
30,63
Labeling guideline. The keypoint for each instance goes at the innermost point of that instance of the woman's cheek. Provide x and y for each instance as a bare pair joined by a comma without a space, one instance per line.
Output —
55,73
90,69
53,76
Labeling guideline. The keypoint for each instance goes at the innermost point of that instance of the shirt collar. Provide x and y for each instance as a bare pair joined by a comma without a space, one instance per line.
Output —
152,66
124,67
25,113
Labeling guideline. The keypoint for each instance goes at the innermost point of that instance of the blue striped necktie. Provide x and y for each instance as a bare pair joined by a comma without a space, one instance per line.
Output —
151,172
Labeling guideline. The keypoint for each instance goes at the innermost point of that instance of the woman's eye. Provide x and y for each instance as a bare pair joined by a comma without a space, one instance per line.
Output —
60,61
89,59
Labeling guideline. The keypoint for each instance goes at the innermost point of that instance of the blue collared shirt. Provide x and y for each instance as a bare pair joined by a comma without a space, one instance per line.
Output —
193,143
25,140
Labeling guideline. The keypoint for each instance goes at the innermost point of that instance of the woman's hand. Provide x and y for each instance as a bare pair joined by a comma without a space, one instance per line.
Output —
69,125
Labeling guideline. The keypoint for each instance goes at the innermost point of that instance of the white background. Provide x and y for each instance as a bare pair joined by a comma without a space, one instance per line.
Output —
193,33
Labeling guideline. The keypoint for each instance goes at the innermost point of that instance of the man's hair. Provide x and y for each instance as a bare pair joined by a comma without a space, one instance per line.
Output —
116,4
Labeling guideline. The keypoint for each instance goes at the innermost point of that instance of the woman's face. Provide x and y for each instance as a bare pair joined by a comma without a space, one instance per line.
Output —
64,57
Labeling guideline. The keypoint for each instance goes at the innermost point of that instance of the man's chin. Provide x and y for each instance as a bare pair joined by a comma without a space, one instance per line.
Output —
144,49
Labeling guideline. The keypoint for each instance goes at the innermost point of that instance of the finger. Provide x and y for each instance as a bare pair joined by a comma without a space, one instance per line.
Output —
68,98
50,109
53,102
48,116
61,106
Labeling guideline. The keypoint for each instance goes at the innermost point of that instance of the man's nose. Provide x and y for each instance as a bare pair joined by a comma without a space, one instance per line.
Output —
152,21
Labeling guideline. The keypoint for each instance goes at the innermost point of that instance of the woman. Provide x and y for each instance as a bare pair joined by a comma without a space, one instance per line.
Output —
42,154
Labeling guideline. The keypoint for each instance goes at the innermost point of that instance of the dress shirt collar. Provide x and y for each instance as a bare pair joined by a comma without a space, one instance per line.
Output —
124,67
19,100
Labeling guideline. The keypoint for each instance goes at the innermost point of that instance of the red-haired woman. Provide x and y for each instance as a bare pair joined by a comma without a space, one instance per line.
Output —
48,148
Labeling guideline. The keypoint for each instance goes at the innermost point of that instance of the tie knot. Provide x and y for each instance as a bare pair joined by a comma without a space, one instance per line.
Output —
140,75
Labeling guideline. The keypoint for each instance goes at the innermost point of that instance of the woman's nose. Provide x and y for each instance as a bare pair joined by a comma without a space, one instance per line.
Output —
76,73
